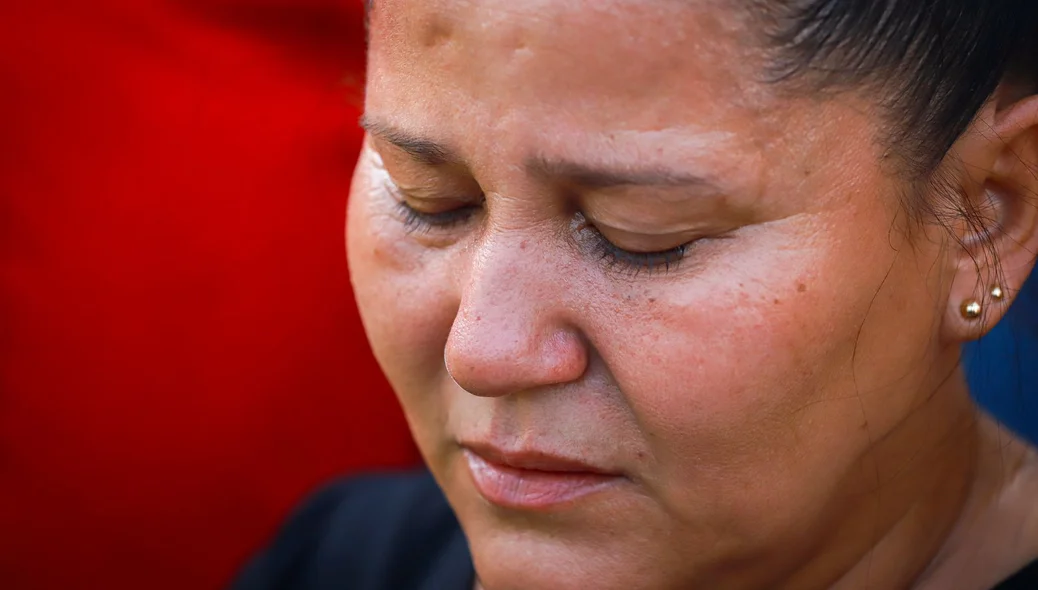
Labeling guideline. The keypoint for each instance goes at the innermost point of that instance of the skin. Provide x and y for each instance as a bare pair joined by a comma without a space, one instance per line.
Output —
785,401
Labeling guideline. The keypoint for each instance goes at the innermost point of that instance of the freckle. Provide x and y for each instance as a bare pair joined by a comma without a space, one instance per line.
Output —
777,302
436,33
801,287
652,300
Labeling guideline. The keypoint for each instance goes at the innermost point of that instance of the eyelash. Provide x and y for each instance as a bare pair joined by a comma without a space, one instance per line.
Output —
636,263
610,254
415,220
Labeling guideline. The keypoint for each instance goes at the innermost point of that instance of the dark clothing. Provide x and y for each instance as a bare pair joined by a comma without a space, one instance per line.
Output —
390,532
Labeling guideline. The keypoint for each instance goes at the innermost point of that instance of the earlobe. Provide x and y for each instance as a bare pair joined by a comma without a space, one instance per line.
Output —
973,310
1000,242
975,316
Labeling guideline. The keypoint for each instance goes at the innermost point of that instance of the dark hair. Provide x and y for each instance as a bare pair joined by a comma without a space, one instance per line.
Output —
933,63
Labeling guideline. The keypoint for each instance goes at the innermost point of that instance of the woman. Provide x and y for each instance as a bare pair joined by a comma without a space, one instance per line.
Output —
673,295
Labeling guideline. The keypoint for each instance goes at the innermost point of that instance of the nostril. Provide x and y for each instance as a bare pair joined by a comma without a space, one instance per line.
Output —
566,355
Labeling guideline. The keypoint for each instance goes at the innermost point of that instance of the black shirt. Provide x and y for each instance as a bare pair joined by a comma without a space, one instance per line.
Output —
389,532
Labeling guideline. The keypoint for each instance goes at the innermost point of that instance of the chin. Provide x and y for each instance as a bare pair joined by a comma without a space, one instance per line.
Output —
512,558
590,542
515,564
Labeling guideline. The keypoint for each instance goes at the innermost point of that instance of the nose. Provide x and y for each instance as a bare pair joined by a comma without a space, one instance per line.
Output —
514,331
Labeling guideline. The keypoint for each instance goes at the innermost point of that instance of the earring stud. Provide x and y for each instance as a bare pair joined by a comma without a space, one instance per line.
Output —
997,293
972,309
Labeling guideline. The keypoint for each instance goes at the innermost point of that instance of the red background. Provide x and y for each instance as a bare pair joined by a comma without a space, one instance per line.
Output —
180,357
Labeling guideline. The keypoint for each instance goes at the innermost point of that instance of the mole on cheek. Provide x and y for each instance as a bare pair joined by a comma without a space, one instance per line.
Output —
436,32
801,287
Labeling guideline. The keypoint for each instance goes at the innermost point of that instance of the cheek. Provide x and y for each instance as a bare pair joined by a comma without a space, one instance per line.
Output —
739,376
729,379
404,294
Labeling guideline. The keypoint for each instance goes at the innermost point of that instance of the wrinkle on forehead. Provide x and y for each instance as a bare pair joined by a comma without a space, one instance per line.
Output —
499,77
541,49
693,24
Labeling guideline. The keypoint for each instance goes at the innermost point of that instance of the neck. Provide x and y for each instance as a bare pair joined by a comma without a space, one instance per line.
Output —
996,533
951,506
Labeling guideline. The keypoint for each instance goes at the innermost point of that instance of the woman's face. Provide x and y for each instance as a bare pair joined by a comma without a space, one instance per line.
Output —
587,236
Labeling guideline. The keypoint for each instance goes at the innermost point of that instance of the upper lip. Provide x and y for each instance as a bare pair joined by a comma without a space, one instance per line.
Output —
534,460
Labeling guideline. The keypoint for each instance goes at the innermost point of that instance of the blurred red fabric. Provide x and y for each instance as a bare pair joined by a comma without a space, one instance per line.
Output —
180,356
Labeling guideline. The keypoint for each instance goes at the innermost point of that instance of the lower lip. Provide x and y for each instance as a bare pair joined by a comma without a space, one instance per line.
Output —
529,489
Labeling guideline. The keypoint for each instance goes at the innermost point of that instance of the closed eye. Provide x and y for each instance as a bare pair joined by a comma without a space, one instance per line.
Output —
635,263
415,220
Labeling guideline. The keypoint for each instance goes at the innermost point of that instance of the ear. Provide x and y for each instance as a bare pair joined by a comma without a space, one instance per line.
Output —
998,241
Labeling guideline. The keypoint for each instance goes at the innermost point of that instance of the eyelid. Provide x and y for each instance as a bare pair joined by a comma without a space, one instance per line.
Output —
430,186
415,220
647,241
413,196
617,257
613,256
418,221
636,262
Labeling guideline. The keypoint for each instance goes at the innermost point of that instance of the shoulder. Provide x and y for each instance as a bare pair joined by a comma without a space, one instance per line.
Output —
368,533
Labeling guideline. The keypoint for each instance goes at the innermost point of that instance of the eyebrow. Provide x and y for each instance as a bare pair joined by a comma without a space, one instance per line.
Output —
423,150
602,177
581,174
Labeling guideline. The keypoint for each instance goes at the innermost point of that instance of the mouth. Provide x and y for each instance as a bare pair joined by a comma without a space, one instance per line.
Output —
533,480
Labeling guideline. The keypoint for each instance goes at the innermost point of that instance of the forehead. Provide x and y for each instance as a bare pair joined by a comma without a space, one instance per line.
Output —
444,67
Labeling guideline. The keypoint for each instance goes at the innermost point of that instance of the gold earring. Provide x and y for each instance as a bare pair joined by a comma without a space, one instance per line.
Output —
997,293
972,309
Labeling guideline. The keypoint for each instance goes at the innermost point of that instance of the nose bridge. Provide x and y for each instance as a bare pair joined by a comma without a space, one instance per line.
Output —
509,273
511,332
